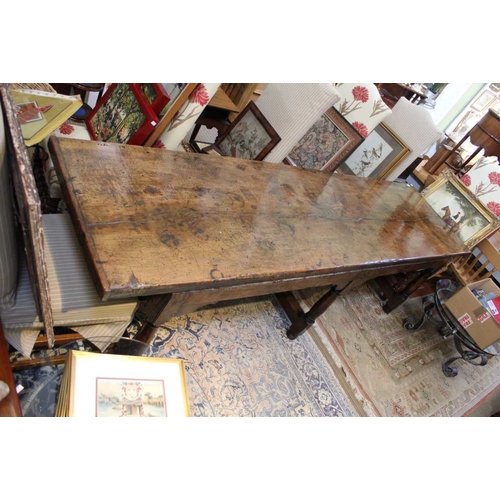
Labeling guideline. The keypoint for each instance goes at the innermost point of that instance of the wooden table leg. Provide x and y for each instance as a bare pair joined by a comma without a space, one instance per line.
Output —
301,321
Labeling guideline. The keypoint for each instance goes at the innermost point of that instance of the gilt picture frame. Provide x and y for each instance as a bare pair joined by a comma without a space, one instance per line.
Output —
102,385
462,213
377,157
326,144
122,115
249,136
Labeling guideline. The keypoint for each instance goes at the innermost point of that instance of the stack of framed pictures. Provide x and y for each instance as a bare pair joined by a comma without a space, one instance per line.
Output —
127,113
379,154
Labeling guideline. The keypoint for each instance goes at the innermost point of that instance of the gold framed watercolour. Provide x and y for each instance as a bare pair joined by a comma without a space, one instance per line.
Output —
460,210
105,385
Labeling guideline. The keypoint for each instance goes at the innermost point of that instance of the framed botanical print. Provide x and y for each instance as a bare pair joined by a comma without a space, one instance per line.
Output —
250,136
483,101
380,153
462,213
121,115
326,144
155,95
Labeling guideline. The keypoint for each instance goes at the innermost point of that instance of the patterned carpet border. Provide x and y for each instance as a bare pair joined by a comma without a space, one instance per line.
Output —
392,372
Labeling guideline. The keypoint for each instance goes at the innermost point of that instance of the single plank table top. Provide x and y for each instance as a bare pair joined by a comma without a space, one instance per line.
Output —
153,221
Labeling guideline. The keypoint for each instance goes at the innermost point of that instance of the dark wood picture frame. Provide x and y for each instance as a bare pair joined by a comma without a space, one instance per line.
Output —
227,143
107,106
155,95
313,153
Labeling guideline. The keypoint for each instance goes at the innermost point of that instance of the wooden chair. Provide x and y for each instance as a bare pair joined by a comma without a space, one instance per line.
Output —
480,264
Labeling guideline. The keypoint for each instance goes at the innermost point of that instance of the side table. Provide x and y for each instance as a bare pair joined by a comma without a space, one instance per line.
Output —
216,114
435,311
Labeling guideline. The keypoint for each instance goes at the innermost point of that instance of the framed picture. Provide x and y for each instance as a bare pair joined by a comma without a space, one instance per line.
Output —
104,385
121,115
250,136
155,95
380,153
462,213
466,123
483,101
495,105
40,113
326,144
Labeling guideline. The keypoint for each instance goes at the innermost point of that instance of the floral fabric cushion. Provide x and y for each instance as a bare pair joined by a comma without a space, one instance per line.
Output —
483,180
362,106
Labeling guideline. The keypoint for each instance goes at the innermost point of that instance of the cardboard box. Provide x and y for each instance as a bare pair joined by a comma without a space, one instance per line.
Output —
473,316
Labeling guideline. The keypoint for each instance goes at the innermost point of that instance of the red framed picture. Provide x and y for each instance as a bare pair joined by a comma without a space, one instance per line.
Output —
121,115
155,95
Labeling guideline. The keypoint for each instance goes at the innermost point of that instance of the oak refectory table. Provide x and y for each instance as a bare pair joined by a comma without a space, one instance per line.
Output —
183,230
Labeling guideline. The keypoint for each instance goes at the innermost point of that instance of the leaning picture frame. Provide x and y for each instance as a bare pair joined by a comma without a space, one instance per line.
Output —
250,135
103,385
40,113
380,153
326,144
122,115
462,213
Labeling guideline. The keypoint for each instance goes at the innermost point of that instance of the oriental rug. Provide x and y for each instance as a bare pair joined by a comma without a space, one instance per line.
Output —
238,363
391,371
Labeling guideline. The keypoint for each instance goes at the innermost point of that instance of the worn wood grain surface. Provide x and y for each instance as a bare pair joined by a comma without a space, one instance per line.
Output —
29,213
154,221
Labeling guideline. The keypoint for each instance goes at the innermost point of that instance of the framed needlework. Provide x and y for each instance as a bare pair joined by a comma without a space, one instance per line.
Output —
105,385
250,136
122,115
326,144
155,95
380,153
460,210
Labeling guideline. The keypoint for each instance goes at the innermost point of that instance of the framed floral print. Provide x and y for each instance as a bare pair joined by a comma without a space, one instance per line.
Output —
380,153
155,95
122,115
250,136
326,144
462,213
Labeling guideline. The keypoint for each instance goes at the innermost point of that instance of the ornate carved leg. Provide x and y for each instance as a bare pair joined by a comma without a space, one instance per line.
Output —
302,321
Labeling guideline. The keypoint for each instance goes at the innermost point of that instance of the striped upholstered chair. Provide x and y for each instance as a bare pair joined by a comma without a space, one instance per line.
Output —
415,127
292,109
45,282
